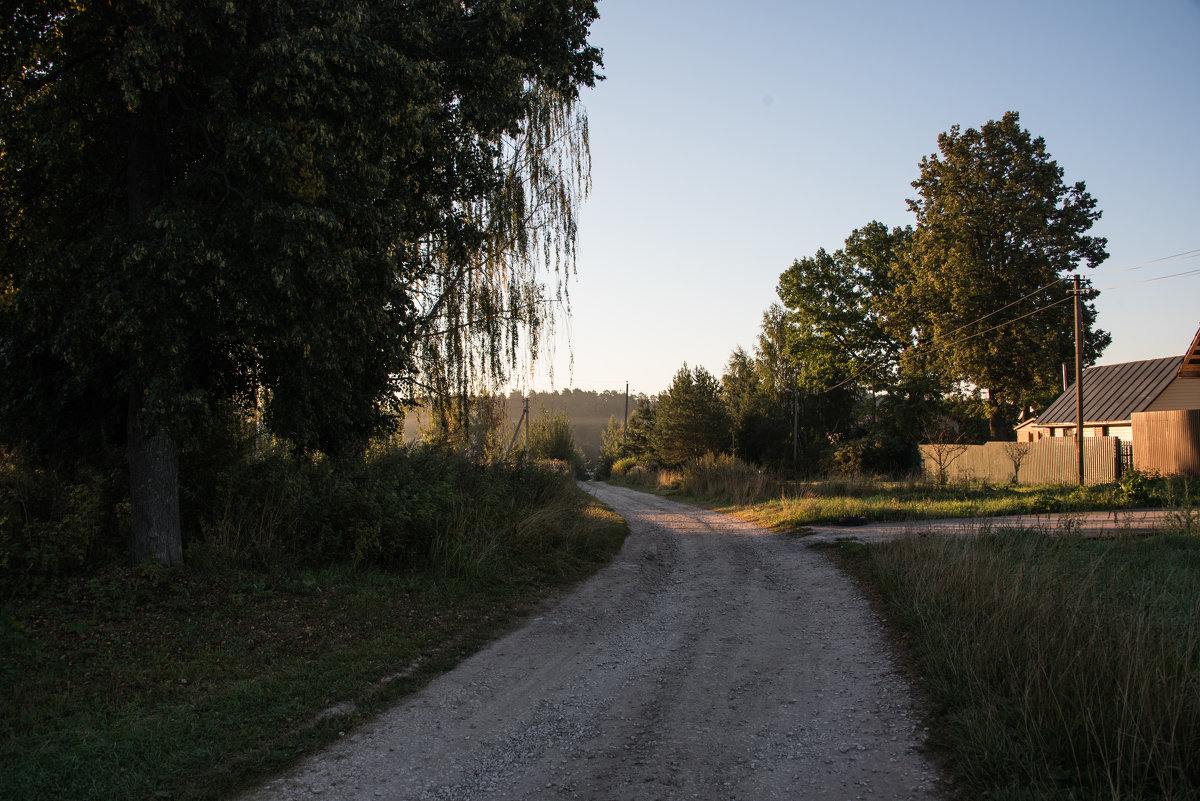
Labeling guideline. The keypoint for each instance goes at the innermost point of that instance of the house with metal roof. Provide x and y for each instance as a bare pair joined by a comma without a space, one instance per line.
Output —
1112,394
1121,400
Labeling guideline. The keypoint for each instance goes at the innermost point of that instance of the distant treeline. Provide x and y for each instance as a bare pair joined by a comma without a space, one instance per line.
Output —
588,411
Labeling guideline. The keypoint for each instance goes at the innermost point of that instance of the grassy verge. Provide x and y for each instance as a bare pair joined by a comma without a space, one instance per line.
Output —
142,683
726,483
1057,668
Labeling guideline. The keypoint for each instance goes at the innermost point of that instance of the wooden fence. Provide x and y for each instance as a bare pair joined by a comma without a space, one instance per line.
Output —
1167,442
1046,461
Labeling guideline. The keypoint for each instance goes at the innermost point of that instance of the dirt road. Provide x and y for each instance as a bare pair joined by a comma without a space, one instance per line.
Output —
710,661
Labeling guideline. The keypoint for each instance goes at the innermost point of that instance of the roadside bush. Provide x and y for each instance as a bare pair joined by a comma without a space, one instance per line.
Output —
53,524
623,466
1136,486
550,438
727,477
419,508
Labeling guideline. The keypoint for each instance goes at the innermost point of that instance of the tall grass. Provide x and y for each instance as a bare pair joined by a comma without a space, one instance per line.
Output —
403,508
1058,667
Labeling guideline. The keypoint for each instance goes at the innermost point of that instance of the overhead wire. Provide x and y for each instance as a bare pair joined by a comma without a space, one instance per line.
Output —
1141,265
941,345
1002,308
1185,274
937,345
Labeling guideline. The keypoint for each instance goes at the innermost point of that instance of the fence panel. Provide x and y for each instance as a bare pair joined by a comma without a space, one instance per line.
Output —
1167,442
1046,461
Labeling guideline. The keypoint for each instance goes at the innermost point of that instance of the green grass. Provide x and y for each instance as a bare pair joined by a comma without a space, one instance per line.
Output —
1056,668
142,683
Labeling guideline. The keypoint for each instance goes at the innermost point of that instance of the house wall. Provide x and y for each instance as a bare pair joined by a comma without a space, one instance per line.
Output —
1167,442
1047,461
1182,393
1122,431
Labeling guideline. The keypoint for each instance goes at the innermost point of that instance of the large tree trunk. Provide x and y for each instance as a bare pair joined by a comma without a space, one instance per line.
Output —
153,455
998,427
154,493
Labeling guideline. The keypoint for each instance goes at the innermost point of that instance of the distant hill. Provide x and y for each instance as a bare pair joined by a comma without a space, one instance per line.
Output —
588,411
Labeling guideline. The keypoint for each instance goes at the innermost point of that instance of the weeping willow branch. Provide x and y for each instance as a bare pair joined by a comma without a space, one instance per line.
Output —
481,310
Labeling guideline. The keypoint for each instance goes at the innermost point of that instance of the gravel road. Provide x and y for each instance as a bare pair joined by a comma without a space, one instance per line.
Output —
710,660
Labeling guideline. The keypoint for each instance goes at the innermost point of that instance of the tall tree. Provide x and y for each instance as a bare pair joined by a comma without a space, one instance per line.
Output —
760,412
639,431
300,203
690,419
995,223
833,303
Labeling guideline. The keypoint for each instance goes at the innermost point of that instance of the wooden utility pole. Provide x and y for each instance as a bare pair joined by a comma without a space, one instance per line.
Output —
625,425
1079,378
795,425
524,421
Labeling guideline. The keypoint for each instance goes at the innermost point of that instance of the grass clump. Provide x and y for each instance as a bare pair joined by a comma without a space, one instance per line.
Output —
1058,668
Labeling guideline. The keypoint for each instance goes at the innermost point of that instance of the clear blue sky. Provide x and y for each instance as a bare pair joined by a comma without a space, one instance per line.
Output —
733,138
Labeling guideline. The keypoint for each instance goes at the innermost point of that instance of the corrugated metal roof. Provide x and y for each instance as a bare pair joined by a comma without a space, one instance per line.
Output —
1112,393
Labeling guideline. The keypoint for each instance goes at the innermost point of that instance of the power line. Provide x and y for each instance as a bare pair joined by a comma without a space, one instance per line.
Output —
1185,274
1002,308
1001,325
937,346
1141,265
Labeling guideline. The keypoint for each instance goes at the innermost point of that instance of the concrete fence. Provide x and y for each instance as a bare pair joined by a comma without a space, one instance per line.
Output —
1046,461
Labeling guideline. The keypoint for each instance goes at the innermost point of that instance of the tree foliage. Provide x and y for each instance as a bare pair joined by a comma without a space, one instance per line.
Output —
760,412
833,302
995,223
303,206
690,419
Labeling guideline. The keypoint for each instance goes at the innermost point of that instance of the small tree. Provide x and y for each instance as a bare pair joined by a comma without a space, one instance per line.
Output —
640,430
473,426
1017,453
550,437
612,445
944,444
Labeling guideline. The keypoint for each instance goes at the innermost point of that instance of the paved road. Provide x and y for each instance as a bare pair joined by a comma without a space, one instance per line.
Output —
711,660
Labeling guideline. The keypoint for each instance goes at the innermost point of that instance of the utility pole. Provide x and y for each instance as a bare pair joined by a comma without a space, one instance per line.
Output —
795,425
1079,378
524,421
625,425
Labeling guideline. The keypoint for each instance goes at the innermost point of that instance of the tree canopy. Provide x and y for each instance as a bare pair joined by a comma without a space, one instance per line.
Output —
690,419
833,303
303,207
996,225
